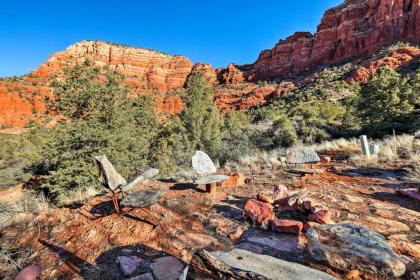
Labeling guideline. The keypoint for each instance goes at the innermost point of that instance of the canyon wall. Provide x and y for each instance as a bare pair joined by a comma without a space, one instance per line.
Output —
352,32
354,29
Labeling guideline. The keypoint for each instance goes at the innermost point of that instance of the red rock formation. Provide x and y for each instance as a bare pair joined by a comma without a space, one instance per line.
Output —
20,103
156,70
354,29
231,75
394,59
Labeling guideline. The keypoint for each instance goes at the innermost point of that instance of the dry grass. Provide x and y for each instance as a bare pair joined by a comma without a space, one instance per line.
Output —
79,195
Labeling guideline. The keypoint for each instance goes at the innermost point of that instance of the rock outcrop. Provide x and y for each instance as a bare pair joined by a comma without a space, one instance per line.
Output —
154,69
351,30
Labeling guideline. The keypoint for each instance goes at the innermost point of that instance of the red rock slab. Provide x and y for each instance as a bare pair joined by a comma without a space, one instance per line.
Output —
260,213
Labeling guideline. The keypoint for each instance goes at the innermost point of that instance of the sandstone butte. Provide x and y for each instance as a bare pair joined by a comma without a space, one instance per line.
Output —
350,32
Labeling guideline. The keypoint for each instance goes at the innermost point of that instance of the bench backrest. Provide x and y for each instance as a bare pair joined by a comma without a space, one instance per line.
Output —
303,156
108,176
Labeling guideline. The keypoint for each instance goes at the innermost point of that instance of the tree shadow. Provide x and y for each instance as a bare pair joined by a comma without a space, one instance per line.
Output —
106,265
371,172
397,199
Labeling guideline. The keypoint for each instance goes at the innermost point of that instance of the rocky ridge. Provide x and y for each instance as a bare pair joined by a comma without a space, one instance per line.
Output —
352,32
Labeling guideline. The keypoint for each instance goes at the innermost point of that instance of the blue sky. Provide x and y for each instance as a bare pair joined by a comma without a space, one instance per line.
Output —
216,31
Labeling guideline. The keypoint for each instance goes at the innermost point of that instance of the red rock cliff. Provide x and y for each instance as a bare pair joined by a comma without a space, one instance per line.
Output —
354,29
154,69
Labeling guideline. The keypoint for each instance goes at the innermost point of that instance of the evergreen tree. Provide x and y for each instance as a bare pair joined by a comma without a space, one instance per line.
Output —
201,116
100,118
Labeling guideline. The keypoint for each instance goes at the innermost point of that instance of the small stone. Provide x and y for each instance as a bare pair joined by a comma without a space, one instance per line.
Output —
237,233
236,179
348,245
353,274
309,225
287,226
166,268
30,272
265,198
260,213
321,217
128,264
307,205
280,192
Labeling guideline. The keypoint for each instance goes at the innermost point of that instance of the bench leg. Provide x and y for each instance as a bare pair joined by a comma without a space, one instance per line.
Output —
115,202
211,188
302,180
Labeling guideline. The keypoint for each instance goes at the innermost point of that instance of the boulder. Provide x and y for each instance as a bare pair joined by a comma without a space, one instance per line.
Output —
349,246
241,264
259,212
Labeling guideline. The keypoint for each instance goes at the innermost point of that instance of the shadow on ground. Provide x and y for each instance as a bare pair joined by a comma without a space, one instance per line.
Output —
105,266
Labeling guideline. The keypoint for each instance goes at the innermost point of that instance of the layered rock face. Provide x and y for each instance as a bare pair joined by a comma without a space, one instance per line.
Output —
352,30
155,70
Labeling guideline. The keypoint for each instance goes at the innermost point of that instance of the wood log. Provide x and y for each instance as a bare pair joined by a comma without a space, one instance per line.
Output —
206,265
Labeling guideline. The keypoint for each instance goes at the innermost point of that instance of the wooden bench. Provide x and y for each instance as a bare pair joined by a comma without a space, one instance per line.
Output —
303,157
205,168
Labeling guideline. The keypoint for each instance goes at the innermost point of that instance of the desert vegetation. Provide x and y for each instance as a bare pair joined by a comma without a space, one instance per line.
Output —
100,116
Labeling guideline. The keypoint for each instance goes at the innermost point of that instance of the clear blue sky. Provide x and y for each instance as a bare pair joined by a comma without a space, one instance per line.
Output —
214,31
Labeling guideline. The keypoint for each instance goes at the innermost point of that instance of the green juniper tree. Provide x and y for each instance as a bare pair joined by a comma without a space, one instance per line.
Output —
99,118
201,117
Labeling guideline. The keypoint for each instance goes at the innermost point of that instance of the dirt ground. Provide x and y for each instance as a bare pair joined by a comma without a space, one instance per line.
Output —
84,241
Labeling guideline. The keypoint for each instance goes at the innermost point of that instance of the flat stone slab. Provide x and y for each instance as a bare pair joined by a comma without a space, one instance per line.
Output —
303,156
350,246
211,179
108,176
202,163
146,175
269,267
304,171
144,198
167,268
